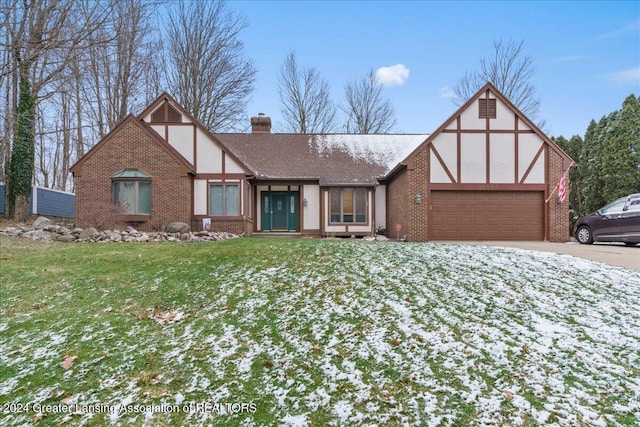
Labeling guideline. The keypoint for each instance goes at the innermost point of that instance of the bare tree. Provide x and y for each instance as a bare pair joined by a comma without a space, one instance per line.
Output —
207,72
304,94
43,37
509,70
366,110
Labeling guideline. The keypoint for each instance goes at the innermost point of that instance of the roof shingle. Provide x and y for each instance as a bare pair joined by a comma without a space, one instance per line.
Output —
335,159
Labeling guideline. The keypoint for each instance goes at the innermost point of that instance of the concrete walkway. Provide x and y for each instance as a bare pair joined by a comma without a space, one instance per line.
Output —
610,253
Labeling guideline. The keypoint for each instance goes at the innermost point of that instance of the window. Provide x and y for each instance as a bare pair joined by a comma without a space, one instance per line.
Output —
348,205
633,205
131,191
613,208
487,108
224,199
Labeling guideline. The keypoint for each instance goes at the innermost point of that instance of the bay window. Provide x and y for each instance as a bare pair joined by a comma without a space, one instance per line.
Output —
131,192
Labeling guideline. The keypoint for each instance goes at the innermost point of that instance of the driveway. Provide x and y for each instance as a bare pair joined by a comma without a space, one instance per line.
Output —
608,253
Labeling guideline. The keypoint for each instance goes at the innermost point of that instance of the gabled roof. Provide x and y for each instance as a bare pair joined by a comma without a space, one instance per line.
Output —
334,159
132,120
471,101
165,97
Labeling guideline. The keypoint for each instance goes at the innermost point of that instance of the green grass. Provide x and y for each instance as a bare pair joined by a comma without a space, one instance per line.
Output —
314,332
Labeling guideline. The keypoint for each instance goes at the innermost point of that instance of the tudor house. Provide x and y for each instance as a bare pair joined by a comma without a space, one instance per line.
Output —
487,173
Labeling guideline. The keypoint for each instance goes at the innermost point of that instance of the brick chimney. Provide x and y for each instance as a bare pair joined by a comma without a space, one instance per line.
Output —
261,124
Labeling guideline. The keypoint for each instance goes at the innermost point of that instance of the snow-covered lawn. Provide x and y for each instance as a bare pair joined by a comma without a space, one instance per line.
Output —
320,332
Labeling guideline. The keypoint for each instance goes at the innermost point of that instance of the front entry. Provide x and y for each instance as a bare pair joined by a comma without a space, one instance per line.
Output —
279,210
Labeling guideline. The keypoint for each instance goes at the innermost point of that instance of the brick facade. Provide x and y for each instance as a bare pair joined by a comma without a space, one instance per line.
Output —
235,226
396,205
130,145
558,213
418,183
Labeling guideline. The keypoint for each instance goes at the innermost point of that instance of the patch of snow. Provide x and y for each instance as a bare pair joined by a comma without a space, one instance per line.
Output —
295,421
388,150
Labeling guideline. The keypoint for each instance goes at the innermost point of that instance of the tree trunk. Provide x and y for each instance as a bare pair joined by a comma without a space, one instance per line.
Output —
22,155
21,208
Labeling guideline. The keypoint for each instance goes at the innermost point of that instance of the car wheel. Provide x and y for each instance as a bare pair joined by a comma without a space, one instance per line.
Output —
630,243
583,235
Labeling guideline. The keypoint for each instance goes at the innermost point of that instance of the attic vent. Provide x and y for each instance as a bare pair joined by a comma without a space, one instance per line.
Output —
487,108
166,114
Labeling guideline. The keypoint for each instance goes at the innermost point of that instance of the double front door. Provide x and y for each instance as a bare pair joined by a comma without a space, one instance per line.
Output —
280,210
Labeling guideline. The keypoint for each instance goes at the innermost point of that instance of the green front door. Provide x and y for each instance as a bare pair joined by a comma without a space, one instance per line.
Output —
280,210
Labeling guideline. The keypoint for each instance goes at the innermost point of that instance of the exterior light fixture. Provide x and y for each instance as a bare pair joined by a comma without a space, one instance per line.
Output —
418,198
304,202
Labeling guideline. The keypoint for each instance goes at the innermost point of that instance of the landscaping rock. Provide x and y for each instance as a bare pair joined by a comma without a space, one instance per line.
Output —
33,235
61,233
61,229
88,233
67,238
177,227
41,222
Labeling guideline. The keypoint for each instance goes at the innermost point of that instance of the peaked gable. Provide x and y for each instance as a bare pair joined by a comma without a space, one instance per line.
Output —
165,111
495,105
131,120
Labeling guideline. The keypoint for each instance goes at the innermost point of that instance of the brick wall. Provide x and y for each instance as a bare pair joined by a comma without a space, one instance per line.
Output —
130,146
397,191
418,220
558,219
235,226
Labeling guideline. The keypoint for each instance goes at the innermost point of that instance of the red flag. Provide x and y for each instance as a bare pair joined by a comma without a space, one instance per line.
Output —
562,189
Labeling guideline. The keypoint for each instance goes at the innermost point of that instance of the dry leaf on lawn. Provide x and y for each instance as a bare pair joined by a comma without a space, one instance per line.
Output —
68,362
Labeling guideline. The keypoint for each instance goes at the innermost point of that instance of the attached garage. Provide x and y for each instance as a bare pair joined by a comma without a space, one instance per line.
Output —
487,215
487,173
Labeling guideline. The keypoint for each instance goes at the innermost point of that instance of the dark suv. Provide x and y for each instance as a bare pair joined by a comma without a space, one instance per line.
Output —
619,221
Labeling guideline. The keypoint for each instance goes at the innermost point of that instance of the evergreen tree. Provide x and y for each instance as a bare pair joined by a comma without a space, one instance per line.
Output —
590,162
621,156
608,159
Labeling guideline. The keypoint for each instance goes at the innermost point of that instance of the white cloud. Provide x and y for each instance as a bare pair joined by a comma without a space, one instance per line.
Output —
631,28
632,75
394,75
447,93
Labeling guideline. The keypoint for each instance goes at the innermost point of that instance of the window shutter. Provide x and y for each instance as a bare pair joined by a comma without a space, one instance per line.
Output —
482,108
492,109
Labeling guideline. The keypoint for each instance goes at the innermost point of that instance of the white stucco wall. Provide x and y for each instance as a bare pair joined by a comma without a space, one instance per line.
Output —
231,166
469,118
209,155
473,158
381,206
181,138
505,118
502,159
446,144
311,217
200,197
528,146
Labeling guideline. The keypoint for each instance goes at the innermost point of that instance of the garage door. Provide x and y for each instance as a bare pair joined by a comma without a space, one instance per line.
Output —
487,215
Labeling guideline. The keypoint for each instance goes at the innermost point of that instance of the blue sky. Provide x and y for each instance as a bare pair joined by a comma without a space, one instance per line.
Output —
586,53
